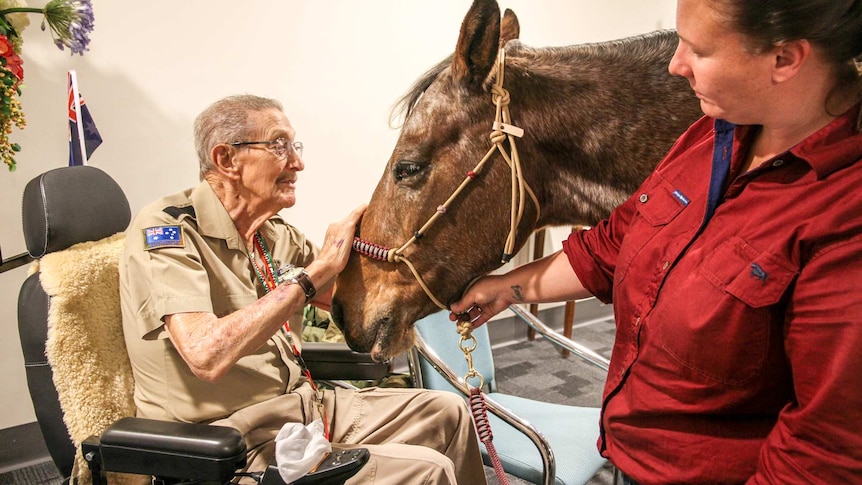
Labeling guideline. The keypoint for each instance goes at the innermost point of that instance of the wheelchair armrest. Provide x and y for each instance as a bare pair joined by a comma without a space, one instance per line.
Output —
167,450
335,361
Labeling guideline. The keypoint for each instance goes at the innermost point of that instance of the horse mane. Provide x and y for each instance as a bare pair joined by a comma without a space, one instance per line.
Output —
637,47
642,46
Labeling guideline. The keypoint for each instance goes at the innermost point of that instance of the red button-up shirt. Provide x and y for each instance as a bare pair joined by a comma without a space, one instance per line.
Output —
738,352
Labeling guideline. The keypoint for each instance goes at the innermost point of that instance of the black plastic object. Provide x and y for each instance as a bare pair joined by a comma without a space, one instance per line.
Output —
167,449
334,470
335,361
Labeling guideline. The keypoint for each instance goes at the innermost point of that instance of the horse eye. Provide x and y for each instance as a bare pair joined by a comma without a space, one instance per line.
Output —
404,169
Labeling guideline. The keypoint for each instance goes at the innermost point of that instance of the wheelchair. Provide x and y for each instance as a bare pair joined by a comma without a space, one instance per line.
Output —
62,209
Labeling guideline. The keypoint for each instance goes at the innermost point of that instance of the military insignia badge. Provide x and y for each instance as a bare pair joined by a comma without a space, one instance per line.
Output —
163,237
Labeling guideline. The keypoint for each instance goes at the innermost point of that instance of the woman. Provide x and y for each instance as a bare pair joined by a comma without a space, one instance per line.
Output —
735,270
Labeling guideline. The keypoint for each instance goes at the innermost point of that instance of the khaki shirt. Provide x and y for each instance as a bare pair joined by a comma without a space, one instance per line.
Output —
209,270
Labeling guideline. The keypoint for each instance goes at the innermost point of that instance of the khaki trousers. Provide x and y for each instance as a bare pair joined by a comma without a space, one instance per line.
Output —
415,436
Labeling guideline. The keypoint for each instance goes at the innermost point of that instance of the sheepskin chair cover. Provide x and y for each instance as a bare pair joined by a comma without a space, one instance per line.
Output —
85,344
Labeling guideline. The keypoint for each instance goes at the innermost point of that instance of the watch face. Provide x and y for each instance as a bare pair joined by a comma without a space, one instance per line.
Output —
290,272
294,272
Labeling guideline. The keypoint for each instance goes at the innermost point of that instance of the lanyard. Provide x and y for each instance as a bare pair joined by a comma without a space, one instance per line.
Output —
268,280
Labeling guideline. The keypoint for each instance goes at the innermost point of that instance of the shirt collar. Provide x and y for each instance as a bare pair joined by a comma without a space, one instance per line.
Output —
214,221
831,148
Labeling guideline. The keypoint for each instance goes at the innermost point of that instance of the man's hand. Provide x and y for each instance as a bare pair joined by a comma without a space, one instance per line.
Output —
336,249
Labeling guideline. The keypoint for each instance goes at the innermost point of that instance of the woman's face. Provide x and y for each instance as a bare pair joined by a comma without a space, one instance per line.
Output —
731,82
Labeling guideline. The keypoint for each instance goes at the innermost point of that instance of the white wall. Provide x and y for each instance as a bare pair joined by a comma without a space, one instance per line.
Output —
337,65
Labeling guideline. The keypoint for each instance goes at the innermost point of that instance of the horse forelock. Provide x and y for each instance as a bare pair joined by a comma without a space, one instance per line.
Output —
405,105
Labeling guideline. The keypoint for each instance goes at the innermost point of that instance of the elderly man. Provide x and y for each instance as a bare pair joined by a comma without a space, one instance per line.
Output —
209,280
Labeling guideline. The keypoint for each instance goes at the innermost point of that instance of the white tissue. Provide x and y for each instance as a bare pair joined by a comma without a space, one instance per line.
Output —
298,448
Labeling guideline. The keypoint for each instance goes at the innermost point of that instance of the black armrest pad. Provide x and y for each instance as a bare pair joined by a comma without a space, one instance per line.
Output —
172,450
335,361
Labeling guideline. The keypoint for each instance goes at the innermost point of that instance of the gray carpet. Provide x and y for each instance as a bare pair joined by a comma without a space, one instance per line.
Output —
533,369
39,474
536,370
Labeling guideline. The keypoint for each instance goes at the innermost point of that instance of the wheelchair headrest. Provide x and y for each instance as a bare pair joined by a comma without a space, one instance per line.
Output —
69,205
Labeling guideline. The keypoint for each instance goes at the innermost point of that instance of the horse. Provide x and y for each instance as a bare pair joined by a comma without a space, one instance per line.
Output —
596,119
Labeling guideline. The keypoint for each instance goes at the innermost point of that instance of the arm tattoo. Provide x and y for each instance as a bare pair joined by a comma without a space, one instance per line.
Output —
517,291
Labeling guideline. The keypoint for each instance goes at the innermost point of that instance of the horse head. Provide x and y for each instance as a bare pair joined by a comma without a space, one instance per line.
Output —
455,202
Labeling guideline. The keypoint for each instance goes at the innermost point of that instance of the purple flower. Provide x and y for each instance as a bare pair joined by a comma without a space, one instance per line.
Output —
71,21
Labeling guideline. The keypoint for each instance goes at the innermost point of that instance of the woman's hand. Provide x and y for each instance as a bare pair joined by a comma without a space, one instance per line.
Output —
486,298
545,280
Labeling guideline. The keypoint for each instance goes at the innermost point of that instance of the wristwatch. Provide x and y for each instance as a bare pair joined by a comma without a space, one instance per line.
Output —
296,275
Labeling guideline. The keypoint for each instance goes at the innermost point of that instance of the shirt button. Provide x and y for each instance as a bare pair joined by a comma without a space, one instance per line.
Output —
665,265
778,163
643,198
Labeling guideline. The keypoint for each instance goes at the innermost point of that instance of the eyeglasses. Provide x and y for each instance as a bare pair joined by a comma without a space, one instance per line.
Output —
281,147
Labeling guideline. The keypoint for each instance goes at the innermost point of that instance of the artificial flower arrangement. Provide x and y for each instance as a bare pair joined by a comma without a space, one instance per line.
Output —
70,22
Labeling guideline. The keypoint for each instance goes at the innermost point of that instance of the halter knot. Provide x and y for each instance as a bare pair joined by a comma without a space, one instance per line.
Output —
497,137
465,328
500,95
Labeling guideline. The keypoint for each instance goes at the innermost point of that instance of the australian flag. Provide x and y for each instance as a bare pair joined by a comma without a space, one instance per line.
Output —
92,139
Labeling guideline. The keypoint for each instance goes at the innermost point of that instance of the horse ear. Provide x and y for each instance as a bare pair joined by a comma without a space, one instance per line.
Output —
478,43
510,28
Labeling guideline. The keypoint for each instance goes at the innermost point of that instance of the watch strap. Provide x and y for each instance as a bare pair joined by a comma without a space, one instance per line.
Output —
304,282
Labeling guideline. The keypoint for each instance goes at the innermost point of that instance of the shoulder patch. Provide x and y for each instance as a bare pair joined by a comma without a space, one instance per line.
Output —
176,212
164,237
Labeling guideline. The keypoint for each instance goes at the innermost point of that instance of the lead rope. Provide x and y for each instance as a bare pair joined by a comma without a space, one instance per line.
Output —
478,407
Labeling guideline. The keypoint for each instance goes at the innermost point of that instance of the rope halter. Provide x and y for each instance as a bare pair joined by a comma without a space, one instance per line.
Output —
502,130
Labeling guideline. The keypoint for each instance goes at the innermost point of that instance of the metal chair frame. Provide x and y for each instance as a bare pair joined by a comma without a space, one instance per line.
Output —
505,414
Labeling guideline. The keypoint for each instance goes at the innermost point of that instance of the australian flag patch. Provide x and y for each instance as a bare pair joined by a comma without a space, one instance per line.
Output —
163,237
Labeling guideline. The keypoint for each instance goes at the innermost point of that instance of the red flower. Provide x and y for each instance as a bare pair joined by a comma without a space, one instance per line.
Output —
14,63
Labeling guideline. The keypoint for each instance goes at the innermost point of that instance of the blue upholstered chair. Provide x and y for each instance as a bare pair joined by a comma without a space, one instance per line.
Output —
536,441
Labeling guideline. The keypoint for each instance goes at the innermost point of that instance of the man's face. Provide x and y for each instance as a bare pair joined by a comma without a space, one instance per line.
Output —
267,180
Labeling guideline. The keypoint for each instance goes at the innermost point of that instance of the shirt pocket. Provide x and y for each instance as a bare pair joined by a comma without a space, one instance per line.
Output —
657,203
736,315
756,278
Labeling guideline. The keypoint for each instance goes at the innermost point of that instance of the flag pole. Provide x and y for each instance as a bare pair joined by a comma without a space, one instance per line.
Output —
80,122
